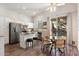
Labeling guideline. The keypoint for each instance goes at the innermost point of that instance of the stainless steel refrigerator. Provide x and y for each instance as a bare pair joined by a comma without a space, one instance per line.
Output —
14,33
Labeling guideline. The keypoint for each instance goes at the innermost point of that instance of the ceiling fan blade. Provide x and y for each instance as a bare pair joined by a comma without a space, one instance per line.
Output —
52,6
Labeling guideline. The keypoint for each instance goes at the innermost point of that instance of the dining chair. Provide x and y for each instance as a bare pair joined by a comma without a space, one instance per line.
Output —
60,47
45,45
52,47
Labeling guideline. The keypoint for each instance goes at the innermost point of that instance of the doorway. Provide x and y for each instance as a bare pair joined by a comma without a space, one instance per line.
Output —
59,27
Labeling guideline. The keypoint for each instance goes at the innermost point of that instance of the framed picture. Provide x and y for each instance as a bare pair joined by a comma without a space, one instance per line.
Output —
44,25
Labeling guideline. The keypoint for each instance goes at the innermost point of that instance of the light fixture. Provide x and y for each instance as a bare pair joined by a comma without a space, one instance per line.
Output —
53,6
51,9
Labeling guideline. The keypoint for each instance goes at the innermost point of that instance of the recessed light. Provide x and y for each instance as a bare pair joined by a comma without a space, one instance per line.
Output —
34,13
23,8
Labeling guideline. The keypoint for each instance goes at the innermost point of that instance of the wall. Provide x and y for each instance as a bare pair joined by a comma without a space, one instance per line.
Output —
74,27
7,16
78,25
41,19
2,46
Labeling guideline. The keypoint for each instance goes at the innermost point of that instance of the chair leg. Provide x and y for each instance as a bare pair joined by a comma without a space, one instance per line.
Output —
26,44
51,50
55,51
61,52
42,49
32,44
64,51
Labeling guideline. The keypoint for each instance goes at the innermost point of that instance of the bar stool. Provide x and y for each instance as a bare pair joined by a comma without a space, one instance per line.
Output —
28,41
35,39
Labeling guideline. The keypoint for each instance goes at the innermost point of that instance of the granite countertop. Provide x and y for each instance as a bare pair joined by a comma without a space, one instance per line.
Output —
26,33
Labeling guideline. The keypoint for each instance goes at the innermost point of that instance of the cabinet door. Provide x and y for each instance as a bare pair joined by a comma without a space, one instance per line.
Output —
2,46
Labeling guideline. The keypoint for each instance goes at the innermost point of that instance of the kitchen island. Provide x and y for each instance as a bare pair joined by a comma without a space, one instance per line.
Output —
24,37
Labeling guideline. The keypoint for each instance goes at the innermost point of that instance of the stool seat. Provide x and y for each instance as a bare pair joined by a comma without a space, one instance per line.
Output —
29,40
35,38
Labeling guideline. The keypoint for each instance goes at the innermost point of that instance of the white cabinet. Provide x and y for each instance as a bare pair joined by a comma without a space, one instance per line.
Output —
2,45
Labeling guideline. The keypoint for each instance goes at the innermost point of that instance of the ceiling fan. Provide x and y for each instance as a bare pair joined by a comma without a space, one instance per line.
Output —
53,6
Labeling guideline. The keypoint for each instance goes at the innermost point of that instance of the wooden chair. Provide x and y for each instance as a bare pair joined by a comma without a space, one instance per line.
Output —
45,40
45,44
60,44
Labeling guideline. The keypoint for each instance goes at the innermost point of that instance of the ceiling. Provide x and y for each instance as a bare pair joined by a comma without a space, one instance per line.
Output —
33,9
